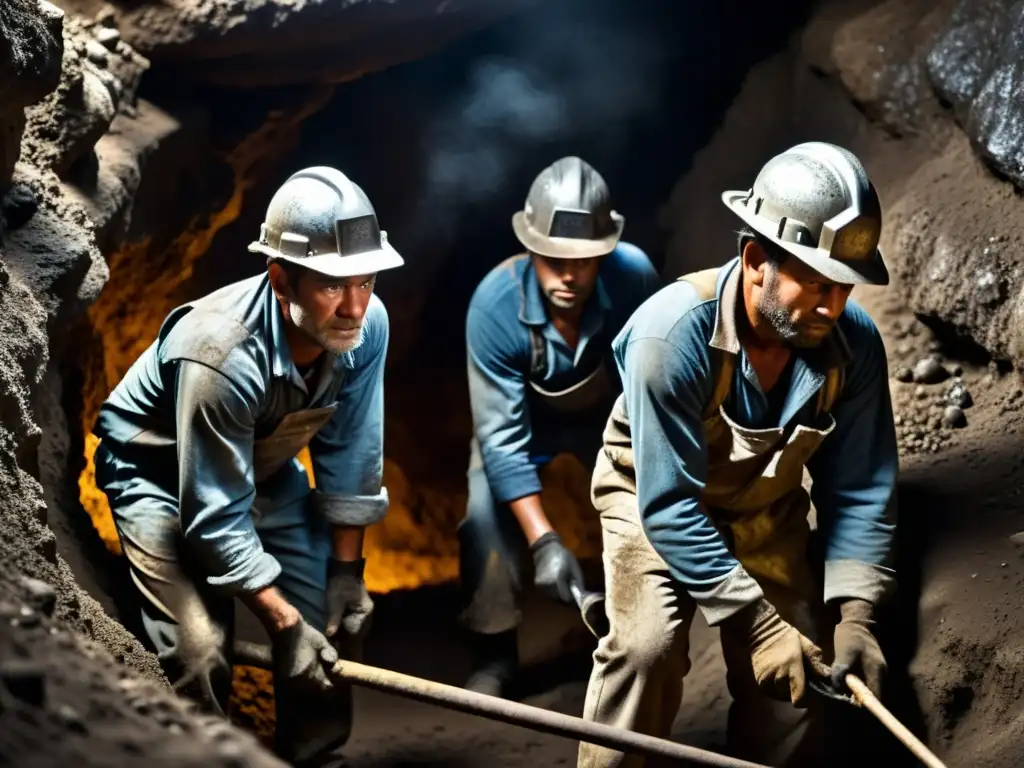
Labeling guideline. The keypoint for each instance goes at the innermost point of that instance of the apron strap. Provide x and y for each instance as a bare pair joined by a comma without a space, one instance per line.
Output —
723,364
538,352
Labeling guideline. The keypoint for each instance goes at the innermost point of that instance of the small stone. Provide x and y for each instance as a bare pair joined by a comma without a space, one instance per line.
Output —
108,37
1018,539
25,680
96,53
904,374
953,417
929,371
934,345
41,595
958,395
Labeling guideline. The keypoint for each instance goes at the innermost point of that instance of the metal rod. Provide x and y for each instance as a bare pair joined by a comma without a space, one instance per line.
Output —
526,716
867,699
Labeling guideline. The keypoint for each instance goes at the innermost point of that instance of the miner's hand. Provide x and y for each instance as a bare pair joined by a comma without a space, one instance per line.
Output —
780,655
555,569
349,607
857,650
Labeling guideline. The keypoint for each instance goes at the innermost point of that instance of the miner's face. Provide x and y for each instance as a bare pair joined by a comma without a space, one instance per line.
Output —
329,310
566,283
801,306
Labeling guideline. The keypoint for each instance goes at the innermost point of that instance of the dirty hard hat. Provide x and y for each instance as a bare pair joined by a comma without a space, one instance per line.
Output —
815,201
568,213
322,220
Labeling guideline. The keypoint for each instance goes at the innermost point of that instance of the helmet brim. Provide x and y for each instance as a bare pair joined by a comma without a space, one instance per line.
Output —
861,272
565,247
335,265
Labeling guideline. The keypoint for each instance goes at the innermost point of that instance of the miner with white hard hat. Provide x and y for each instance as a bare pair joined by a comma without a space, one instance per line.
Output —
198,461
735,380
541,383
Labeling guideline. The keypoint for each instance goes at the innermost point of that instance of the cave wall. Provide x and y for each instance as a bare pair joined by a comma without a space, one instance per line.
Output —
908,85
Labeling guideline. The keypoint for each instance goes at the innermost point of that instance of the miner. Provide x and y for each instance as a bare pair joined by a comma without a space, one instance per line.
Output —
541,383
735,380
198,461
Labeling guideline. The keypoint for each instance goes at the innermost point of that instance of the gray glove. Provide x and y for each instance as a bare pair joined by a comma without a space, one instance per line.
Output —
349,607
555,570
301,655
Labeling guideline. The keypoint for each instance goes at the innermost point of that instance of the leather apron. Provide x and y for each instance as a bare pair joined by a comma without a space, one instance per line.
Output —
594,393
754,488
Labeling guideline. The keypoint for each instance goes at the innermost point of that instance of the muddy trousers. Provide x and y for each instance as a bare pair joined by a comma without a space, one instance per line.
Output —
169,585
637,679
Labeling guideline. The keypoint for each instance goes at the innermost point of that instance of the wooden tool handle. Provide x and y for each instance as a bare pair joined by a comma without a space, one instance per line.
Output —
869,701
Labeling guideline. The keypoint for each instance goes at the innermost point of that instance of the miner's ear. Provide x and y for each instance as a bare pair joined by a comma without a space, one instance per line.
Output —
279,281
755,261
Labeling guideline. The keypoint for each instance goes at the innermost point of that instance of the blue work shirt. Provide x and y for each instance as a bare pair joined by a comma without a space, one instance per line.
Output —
506,303
218,377
664,360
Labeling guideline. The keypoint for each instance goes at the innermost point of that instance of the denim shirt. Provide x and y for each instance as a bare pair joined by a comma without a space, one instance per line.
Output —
218,377
506,303
664,361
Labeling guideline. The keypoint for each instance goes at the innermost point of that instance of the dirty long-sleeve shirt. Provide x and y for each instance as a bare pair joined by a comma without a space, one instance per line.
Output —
663,358
220,377
506,303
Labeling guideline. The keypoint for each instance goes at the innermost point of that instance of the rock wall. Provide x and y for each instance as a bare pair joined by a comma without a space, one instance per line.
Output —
927,94
104,193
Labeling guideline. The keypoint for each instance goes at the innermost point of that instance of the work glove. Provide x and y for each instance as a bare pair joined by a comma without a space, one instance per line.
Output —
857,650
780,655
555,570
301,658
349,607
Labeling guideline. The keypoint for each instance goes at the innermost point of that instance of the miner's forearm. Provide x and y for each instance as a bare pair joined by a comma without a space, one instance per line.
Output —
530,515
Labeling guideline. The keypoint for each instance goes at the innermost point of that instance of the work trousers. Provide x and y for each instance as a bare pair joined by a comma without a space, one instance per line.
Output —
492,551
146,517
637,678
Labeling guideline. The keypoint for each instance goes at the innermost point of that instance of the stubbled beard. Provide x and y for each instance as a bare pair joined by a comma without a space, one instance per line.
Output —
321,336
563,303
778,317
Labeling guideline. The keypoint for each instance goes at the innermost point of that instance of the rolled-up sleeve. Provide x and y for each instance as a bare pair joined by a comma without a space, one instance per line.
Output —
854,476
497,397
215,423
665,386
348,453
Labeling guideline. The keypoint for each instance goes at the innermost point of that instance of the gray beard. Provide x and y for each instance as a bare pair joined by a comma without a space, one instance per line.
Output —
562,303
304,320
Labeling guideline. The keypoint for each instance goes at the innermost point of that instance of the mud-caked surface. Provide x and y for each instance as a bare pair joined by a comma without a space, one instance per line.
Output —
64,700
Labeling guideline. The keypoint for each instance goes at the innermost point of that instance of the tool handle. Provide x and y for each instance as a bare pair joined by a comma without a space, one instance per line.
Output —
865,698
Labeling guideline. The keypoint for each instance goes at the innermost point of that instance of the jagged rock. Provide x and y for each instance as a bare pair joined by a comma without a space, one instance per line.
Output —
282,42
66,125
978,67
958,394
30,67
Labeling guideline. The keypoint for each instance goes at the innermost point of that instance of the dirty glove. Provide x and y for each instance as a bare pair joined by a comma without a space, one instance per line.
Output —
349,607
780,655
301,657
555,570
857,650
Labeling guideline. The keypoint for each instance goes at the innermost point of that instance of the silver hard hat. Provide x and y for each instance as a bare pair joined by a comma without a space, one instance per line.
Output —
322,220
568,213
815,201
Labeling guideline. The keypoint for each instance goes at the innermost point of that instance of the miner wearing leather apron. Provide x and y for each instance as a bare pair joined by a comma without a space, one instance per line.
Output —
198,460
735,380
541,383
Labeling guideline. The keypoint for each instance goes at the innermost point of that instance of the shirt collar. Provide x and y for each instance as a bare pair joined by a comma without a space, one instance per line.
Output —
725,336
281,364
